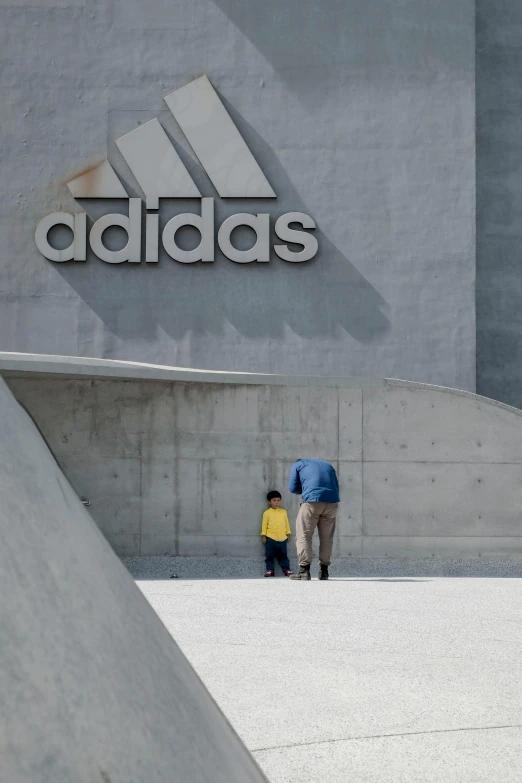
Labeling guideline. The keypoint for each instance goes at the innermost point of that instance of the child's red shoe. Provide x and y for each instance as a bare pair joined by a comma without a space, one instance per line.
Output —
270,572
287,572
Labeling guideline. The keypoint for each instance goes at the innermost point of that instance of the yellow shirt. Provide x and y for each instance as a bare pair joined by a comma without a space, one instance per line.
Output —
275,524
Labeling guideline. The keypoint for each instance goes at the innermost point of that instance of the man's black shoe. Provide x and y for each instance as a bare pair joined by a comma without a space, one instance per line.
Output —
323,572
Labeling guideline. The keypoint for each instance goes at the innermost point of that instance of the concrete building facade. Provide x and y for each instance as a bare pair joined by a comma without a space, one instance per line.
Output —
360,115
156,159
499,199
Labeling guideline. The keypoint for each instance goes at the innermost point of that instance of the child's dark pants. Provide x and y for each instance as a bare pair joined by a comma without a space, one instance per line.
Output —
275,549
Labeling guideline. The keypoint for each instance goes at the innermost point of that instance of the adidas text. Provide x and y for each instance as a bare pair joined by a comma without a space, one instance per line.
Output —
204,223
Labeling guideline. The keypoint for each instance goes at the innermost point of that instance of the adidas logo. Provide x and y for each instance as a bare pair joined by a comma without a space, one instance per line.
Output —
160,173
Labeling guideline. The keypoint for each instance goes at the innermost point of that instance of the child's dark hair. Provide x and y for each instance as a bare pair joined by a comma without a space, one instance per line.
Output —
273,494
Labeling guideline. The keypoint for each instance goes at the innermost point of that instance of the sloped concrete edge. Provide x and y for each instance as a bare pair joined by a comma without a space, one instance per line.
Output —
93,687
22,364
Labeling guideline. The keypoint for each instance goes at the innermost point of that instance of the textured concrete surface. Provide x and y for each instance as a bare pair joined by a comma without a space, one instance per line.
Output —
403,679
92,687
182,466
360,114
499,199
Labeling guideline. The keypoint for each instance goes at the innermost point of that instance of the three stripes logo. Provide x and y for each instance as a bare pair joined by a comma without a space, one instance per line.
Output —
160,173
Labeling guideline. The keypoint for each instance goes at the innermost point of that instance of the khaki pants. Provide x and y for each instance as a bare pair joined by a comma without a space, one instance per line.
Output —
315,515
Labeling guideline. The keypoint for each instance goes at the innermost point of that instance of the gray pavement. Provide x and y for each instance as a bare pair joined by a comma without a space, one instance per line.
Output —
394,679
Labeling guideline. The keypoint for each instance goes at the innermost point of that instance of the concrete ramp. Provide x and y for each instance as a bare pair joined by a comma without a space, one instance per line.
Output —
93,688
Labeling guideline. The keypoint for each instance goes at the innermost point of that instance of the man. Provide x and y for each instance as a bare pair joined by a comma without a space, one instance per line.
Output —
316,481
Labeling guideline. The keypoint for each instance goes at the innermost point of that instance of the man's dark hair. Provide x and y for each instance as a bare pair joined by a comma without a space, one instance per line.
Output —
273,494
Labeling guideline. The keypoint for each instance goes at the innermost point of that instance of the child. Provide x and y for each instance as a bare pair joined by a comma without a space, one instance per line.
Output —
275,532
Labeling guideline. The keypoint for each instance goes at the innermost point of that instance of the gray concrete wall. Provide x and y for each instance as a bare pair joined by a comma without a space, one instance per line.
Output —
499,200
360,113
92,686
183,467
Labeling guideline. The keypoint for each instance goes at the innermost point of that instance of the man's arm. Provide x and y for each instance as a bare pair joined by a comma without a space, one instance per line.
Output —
336,482
294,484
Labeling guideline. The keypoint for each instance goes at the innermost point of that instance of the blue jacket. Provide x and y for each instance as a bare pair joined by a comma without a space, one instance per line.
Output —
315,480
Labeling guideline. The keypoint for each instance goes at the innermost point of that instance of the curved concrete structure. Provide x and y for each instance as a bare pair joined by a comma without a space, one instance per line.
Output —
93,688
178,461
